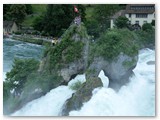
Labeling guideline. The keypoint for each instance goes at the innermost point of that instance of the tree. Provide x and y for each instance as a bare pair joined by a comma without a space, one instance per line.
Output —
6,8
121,22
17,77
57,18
17,12
38,23
29,9
153,22
101,15
147,27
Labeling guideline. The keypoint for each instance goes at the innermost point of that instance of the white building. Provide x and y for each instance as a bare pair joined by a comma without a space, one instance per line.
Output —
137,14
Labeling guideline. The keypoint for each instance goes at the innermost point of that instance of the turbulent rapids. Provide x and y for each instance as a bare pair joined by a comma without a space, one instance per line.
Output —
134,99
137,98
17,49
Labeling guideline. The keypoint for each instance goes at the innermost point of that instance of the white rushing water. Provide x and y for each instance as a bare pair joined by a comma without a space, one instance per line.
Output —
134,99
51,103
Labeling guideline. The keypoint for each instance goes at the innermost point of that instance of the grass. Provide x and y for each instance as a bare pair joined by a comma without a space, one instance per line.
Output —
38,9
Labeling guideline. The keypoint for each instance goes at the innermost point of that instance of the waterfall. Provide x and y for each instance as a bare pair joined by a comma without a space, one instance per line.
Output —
137,98
134,99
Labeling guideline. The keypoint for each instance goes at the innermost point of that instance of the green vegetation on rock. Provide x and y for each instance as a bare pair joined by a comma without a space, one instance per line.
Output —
25,82
17,77
67,50
16,80
76,86
146,38
115,41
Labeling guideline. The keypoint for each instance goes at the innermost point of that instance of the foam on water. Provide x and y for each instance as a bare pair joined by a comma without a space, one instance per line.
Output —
50,104
137,98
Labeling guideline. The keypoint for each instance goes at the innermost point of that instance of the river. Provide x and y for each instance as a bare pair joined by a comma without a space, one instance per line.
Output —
17,49
137,98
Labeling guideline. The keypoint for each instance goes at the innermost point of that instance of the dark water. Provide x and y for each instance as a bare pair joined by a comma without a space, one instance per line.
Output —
17,49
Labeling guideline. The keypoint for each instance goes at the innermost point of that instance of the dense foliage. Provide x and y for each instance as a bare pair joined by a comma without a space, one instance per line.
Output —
16,12
57,18
17,77
121,22
146,38
115,41
68,50
98,19
147,27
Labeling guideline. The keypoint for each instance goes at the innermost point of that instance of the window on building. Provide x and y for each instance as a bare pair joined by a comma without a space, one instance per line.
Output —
141,15
144,22
137,22
129,15
129,22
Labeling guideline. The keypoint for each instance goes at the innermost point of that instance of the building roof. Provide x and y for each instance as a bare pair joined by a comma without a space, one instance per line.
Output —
140,8
8,24
119,13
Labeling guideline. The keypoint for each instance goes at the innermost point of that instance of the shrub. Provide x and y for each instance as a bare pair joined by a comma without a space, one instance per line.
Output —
76,86
121,22
17,77
146,37
68,49
153,23
15,82
147,27
112,42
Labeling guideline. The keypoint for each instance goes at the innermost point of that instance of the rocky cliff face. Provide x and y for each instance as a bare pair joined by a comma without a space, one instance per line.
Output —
117,70
82,95
78,64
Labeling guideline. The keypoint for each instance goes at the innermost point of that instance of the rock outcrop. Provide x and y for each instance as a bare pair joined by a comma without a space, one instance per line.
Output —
77,34
118,70
82,95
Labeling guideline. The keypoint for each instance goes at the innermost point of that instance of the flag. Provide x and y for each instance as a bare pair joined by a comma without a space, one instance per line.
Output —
76,9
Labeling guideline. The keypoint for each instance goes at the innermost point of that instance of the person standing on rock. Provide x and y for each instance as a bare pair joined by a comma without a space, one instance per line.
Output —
52,42
77,19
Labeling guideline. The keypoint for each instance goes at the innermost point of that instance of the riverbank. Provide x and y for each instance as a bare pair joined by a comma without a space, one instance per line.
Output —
31,39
